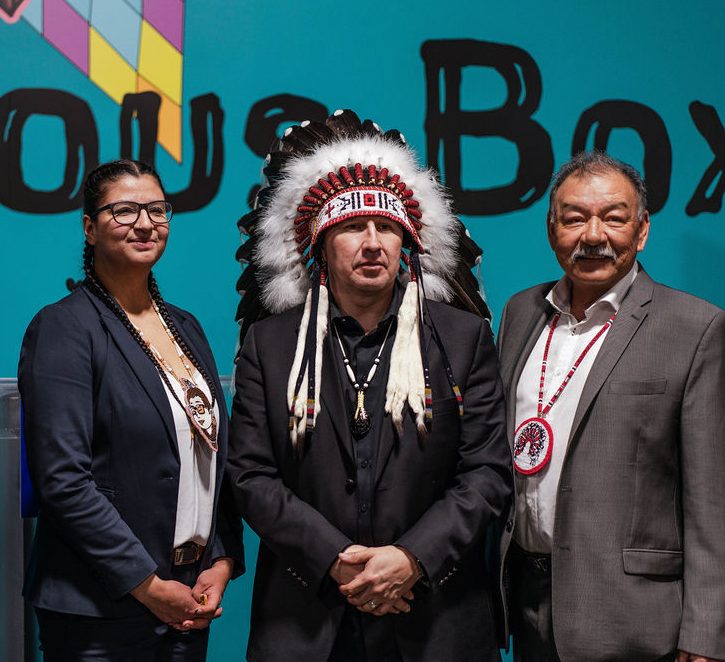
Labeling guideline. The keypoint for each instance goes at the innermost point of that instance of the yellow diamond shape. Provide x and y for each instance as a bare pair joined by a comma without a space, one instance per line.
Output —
108,69
160,63
169,120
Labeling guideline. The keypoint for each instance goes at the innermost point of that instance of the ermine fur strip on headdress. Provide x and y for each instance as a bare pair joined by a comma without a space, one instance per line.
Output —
405,379
297,405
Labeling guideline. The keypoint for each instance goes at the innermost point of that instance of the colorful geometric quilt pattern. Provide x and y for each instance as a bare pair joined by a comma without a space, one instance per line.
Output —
123,46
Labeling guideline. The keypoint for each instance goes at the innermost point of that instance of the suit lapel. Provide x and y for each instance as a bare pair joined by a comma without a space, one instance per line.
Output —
147,373
144,369
388,433
525,339
631,314
332,404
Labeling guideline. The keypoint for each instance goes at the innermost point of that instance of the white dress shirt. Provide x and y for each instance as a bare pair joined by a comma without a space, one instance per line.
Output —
197,473
536,493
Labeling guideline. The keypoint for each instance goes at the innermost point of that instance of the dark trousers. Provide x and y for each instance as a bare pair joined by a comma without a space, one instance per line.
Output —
531,623
142,638
365,638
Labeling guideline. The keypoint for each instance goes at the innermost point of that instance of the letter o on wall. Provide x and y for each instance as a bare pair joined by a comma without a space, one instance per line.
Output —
81,137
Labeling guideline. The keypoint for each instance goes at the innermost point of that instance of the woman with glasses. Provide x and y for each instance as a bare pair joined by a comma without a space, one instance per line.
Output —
125,427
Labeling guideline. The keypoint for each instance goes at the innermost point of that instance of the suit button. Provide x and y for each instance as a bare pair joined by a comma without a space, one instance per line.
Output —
350,485
364,508
509,525
364,464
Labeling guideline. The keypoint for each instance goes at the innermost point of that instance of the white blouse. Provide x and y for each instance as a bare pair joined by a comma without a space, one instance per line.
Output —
197,474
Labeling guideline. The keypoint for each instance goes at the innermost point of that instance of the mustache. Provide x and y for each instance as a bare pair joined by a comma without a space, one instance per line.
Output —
583,252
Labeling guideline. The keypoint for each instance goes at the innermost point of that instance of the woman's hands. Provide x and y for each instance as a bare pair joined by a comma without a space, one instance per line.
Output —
182,607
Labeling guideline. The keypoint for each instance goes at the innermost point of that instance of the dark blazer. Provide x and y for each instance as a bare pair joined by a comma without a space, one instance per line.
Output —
639,535
103,458
435,498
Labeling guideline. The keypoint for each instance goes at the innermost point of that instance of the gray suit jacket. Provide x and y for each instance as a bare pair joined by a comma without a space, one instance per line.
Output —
638,561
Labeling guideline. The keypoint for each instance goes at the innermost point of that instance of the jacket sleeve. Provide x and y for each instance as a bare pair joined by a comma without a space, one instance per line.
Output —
482,486
702,631
292,529
56,382
228,535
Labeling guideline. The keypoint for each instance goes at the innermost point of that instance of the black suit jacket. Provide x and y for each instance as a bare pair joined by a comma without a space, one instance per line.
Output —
103,458
434,497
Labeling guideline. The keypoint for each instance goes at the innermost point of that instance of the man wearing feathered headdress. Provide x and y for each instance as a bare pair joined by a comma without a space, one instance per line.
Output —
368,445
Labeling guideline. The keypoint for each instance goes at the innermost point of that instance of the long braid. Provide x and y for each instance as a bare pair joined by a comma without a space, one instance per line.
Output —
166,316
94,189
102,293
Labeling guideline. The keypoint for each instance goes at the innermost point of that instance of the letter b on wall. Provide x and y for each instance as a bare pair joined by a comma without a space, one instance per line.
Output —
446,122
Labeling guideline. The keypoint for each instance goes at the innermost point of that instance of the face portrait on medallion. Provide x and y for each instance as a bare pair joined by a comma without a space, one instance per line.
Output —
201,410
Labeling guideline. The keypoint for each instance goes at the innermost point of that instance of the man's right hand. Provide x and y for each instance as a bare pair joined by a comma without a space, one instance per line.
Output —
171,602
344,573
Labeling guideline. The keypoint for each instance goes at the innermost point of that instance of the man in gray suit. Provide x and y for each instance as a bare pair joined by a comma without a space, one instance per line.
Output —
616,391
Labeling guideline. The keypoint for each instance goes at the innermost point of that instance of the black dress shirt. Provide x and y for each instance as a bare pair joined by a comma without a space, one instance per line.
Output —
362,637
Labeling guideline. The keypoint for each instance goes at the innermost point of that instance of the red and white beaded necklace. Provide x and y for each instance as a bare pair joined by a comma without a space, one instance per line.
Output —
534,438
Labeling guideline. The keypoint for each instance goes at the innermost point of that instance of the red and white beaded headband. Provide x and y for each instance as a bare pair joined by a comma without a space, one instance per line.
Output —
340,196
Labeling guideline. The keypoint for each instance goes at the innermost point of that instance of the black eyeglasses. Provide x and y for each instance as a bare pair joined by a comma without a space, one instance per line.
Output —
126,212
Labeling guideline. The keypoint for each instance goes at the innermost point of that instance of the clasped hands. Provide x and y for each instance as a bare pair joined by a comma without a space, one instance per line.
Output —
183,607
376,580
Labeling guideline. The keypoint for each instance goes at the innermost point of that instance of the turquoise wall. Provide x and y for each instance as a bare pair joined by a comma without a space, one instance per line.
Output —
665,57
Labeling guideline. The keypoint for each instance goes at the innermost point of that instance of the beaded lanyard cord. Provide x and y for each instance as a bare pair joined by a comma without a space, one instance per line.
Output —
534,438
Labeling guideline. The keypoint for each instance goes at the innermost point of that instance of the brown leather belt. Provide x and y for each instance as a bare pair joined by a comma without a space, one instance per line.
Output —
189,552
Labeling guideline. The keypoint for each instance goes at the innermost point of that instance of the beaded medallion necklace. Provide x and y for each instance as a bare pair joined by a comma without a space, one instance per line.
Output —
196,405
534,438
360,423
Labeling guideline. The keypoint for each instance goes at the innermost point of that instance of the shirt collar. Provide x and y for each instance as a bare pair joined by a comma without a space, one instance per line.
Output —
559,296
346,321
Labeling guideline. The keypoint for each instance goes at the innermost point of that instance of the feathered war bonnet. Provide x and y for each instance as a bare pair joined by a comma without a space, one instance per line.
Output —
320,174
